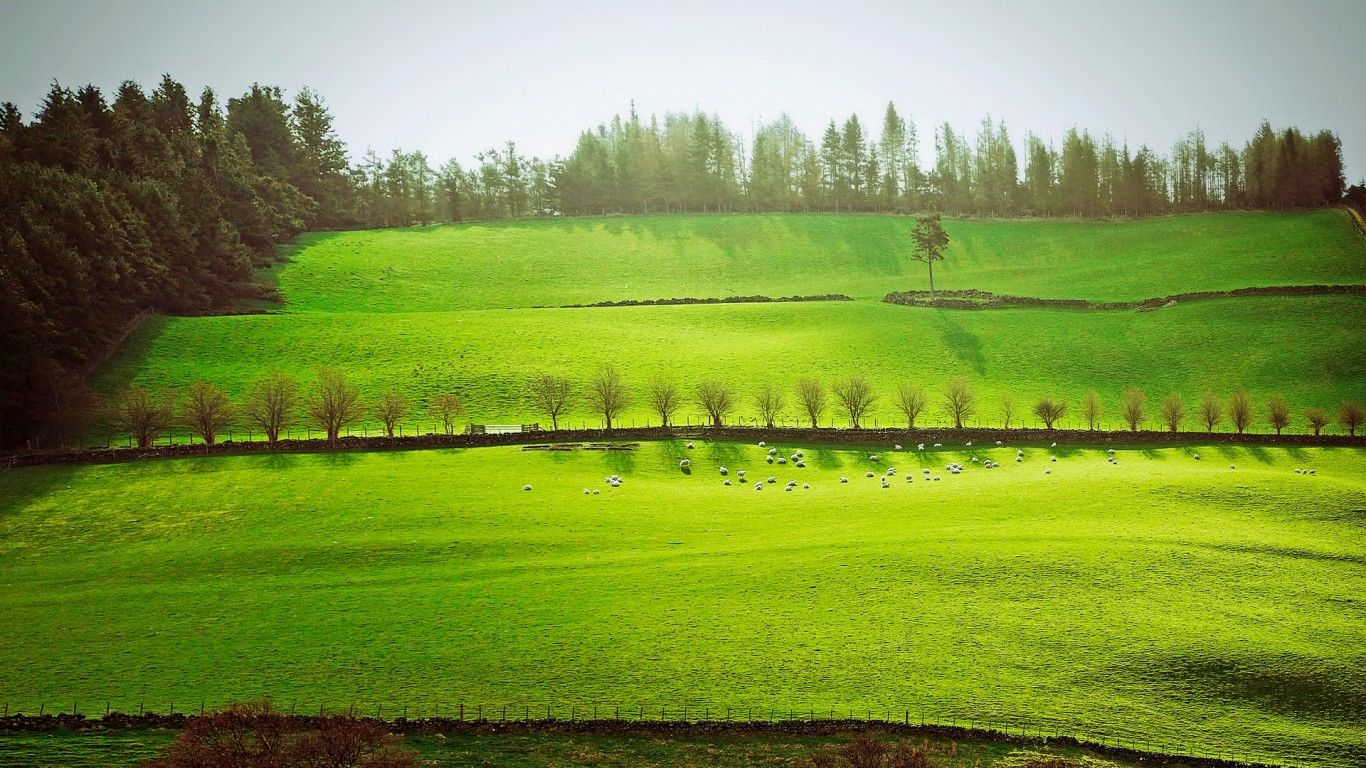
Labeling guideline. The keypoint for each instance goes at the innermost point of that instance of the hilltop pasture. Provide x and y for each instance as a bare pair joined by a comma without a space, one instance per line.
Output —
452,309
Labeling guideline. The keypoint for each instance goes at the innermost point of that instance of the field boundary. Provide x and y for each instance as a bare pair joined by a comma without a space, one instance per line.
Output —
983,436
778,722
755,299
972,298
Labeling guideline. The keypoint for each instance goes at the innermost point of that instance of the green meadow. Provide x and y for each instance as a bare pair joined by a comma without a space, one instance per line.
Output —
1164,600
453,309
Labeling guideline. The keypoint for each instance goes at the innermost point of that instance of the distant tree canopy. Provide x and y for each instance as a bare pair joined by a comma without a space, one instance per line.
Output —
158,202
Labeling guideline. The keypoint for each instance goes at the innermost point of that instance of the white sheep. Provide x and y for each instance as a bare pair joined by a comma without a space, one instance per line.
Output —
870,474
1312,472
762,443
788,488
806,486
725,482
844,479
684,464
768,459
920,446
526,487
974,459
874,457
740,473
758,486
1052,458
1019,459
773,479
897,447
936,477
910,478
798,455
725,471
585,491
998,442
690,446
1048,471
781,460
772,451
938,445
1196,456
1231,466
595,492
969,443
1055,445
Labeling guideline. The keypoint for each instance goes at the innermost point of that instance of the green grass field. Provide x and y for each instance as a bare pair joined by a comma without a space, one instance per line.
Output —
580,261
1165,600
447,309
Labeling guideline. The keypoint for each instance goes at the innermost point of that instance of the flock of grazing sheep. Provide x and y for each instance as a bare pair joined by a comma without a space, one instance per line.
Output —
797,459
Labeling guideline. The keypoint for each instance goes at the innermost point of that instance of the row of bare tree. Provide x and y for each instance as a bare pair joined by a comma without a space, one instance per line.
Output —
276,402
272,404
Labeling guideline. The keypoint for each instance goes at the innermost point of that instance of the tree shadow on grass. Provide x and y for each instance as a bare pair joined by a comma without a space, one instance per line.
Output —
964,344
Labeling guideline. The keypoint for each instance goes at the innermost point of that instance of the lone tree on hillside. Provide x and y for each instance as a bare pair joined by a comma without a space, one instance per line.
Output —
1134,402
812,394
960,402
930,240
1351,415
445,408
270,403
1317,418
911,400
334,404
551,394
1049,410
1173,411
856,396
143,414
1240,410
769,400
665,399
1211,411
207,410
1090,409
1007,410
608,394
390,409
1278,413
717,399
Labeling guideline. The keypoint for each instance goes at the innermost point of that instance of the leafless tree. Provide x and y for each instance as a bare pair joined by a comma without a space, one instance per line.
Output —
334,404
1317,418
551,394
1133,403
445,408
1278,413
812,394
390,409
1240,410
607,394
143,414
856,396
1351,415
665,399
960,402
1173,411
717,399
1211,411
270,403
770,402
911,400
1049,410
1090,409
1007,410
207,411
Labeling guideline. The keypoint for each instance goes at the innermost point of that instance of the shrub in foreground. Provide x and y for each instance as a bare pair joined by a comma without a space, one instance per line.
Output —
256,736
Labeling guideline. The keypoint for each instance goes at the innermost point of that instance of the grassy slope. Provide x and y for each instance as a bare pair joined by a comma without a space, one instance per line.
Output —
1308,349
577,261
1164,599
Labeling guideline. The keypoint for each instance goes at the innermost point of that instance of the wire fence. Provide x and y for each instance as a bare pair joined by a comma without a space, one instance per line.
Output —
958,721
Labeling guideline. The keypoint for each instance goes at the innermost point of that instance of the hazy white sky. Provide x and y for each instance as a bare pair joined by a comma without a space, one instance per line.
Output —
450,78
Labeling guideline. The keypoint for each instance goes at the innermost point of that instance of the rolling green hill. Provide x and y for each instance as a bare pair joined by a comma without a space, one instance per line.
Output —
444,309
581,261
1165,600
